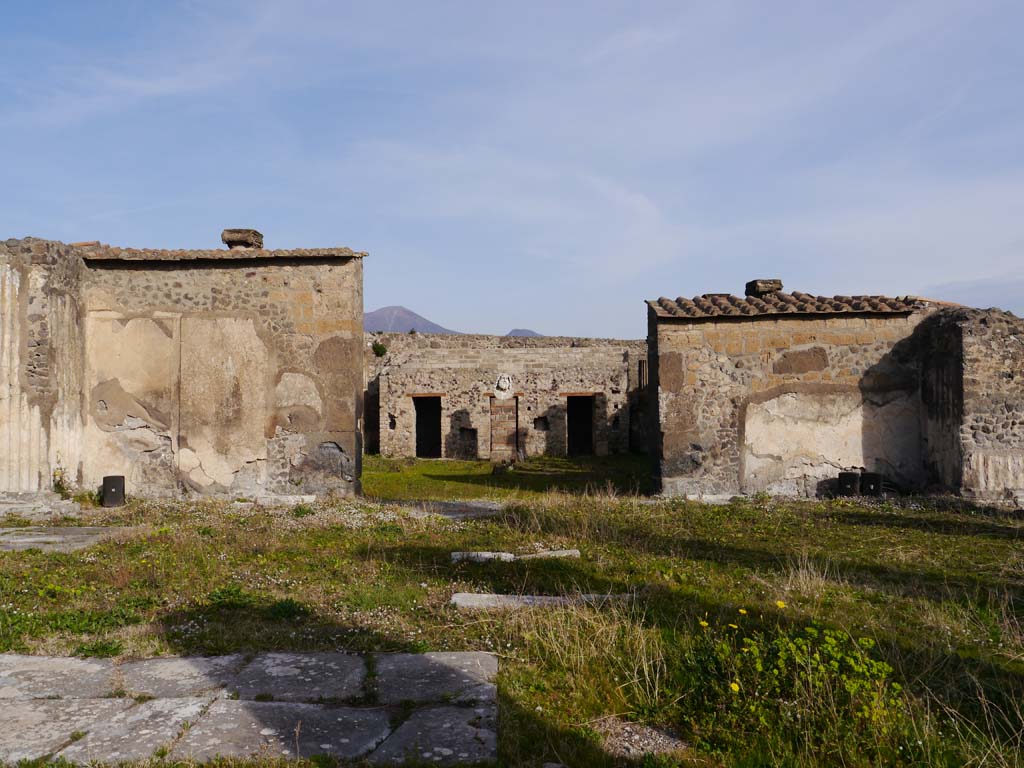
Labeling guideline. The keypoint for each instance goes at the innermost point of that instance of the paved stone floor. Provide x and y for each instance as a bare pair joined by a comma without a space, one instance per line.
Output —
51,539
37,507
439,708
455,510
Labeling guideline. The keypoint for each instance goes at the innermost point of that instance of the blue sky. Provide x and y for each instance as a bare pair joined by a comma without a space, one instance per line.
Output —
546,165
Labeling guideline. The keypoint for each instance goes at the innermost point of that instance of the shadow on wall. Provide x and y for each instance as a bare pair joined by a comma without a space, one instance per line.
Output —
552,424
461,440
891,433
798,436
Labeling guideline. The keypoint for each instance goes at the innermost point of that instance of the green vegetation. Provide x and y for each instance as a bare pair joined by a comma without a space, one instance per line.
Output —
762,632
443,479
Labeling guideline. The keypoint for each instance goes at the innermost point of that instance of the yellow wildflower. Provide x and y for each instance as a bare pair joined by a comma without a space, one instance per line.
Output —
703,623
735,687
743,611
734,626
780,603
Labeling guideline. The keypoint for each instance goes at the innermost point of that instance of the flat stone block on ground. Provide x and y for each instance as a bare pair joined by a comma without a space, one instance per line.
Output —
442,736
433,676
473,601
136,733
285,501
551,553
301,676
175,677
50,539
48,677
33,729
279,729
37,507
456,510
482,557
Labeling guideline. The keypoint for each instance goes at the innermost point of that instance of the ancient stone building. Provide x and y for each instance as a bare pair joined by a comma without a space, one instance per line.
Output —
972,387
779,392
499,397
235,371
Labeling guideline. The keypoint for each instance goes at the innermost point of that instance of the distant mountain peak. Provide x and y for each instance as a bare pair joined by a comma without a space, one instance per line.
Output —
523,332
398,319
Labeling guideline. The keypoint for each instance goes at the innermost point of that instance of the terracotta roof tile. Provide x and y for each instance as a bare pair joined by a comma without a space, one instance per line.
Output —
714,305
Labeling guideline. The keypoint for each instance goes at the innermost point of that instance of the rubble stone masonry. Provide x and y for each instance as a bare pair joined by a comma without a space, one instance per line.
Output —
463,370
782,404
221,371
988,387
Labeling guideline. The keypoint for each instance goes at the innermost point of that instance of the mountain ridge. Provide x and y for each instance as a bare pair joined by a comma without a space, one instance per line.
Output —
399,319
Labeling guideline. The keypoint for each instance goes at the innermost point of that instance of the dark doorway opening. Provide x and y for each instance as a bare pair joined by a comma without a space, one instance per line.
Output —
428,427
579,413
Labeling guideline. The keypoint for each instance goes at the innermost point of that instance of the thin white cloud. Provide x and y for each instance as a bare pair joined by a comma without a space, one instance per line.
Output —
223,51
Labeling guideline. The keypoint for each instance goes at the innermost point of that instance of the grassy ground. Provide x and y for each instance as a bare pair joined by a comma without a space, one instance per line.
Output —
443,479
763,632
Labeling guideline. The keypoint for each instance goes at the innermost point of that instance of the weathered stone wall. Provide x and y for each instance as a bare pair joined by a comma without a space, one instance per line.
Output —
463,369
210,371
40,364
992,431
782,404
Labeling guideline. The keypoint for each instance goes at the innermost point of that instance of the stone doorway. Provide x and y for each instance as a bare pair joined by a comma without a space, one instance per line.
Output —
428,426
579,415
504,429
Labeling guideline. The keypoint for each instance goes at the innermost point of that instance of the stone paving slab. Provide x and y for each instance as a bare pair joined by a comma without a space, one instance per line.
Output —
36,728
52,539
442,736
136,733
508,557
551,553
48,677
37,507
475,601
438,676
482,557
279,729
175,677
60,706
301,677
455,510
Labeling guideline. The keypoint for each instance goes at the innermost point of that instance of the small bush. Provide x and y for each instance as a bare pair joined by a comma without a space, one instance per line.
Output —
231,596
87,498
60,483
99,648
379,349
302,510
805,692
287,609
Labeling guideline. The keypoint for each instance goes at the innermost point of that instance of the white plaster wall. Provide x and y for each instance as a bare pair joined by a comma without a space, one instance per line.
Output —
994,474
224,384
795,440
132,381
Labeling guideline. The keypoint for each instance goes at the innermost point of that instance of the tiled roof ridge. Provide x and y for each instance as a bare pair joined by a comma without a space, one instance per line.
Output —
713,305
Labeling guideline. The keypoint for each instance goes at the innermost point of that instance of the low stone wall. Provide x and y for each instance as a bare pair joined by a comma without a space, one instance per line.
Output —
463,371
